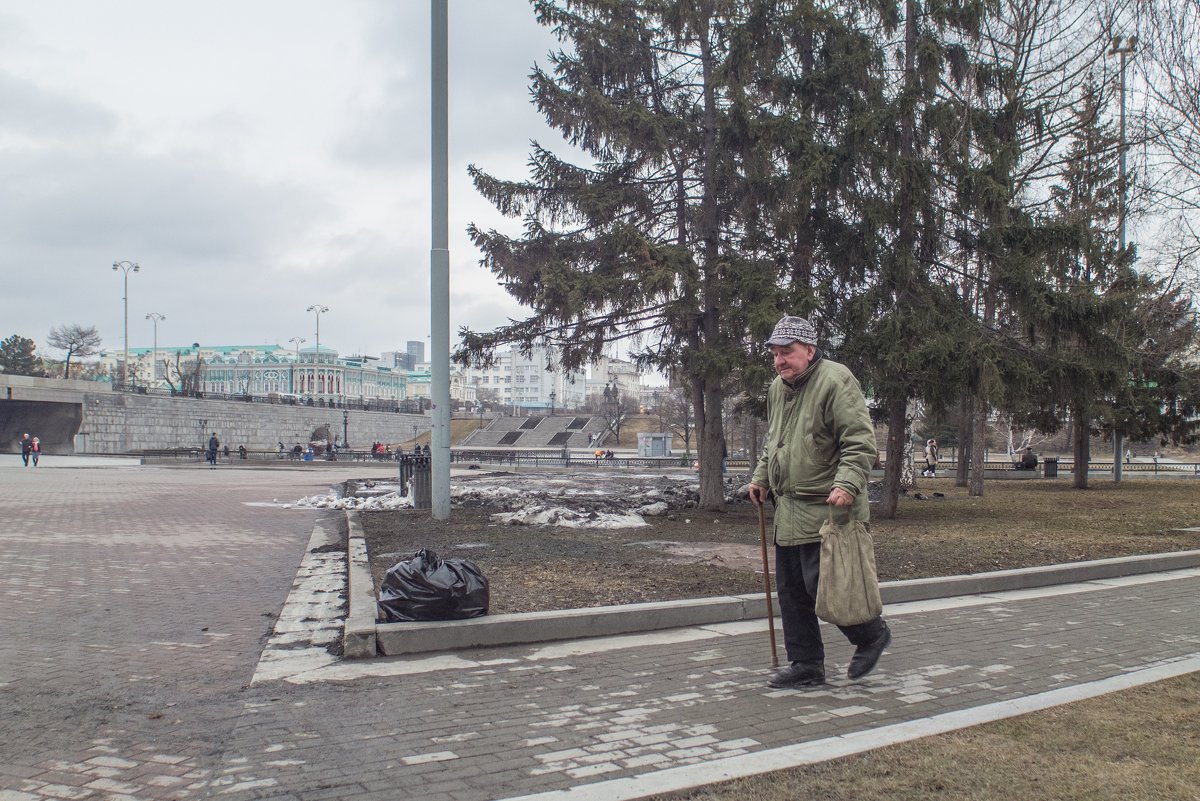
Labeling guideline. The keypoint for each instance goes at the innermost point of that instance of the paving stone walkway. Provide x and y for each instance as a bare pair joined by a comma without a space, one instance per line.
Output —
139,604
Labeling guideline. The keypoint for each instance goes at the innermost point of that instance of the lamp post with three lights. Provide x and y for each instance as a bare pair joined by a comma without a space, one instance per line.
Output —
126,267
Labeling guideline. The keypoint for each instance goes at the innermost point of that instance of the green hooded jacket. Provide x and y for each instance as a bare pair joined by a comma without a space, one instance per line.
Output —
819,436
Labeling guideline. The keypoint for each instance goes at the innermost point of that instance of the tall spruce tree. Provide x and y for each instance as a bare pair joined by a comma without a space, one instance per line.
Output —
1090,293
1002,118
689,110
903,327
17,356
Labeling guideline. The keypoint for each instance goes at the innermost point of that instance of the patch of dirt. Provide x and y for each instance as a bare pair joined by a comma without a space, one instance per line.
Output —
688,553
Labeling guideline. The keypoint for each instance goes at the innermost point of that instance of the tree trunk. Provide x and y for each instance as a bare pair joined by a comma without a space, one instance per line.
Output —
708,387
978,446
908,478
966,436
1082,451
893,469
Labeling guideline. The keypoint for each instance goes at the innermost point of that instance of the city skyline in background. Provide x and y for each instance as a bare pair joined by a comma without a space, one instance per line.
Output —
253,161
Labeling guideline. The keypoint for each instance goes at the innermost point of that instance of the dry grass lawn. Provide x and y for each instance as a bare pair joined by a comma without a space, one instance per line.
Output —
1027,523
1138,745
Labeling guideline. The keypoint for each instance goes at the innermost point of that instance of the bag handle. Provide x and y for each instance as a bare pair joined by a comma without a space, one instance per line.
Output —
848,514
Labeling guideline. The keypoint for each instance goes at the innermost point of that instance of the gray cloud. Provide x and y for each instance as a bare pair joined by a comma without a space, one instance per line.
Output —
41,114
276,168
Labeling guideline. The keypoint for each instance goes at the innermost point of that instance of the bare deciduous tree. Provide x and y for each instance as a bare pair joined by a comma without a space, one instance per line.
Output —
76,340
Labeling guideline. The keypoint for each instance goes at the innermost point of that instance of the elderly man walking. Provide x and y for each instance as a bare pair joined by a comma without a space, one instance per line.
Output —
819,451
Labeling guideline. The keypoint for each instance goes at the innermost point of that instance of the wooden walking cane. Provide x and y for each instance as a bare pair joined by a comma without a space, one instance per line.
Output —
762,540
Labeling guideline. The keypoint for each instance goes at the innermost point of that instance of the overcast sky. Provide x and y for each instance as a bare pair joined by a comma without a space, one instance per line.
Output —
254,157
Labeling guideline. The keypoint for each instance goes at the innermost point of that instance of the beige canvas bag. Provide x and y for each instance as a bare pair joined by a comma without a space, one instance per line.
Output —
848,591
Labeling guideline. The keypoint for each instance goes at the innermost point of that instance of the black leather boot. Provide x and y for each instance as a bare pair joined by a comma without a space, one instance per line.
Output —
866,657
799,674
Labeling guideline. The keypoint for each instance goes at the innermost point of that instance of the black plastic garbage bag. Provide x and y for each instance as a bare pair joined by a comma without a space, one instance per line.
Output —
427,588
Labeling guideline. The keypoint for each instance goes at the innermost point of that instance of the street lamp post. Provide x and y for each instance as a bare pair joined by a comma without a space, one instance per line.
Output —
345,429
553,397
297,341
125,266
199,370
319,309
1122,46
156,317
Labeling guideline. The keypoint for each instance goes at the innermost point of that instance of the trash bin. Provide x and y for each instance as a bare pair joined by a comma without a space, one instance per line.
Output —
1050,467
422,483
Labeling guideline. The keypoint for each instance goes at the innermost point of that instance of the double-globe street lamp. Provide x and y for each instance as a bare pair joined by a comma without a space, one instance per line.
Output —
156,317
319,309
297,341
126,266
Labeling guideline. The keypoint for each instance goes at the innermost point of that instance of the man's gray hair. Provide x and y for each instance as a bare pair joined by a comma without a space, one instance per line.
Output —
793,329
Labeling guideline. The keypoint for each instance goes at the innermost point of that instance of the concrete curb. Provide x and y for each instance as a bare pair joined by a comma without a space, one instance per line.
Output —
370,638
359,638
1025,578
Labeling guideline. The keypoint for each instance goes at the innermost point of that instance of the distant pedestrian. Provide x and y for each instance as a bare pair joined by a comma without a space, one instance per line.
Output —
931,459
35,450
226,450
281,449
425,450
26,448
241,451
213,445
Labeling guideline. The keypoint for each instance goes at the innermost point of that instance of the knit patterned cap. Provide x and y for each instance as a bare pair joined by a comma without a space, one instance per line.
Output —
793,329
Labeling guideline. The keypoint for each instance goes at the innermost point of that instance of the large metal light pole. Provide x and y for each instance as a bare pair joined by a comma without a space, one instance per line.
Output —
319,309
439,260
156,317
296,341
1122,47
125,267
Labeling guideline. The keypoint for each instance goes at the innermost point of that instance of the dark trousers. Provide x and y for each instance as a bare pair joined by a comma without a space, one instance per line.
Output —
797,572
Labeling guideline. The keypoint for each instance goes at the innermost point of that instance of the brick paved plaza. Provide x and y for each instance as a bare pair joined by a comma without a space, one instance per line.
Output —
138,603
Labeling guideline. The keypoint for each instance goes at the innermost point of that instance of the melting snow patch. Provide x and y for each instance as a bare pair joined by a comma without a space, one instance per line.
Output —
569,518
392,500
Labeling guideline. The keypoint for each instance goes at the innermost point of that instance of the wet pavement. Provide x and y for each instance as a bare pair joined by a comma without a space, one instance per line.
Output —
139,603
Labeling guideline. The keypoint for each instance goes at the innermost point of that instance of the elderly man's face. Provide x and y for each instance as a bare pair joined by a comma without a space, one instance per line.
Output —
792,360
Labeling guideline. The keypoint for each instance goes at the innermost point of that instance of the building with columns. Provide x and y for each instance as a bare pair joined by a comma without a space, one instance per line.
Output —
265,370
514,383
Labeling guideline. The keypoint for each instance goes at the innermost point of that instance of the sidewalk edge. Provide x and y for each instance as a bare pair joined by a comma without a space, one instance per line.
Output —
364,637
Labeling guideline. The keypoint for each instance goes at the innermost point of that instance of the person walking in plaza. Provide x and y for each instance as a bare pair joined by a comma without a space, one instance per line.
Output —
35,450
931,459
213,445
26,448
818,454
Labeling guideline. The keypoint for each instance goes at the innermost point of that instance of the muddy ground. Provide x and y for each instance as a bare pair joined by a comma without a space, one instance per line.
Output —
682,552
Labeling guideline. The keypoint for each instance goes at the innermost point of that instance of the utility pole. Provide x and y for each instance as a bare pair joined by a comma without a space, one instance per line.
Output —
439,262
1122,47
